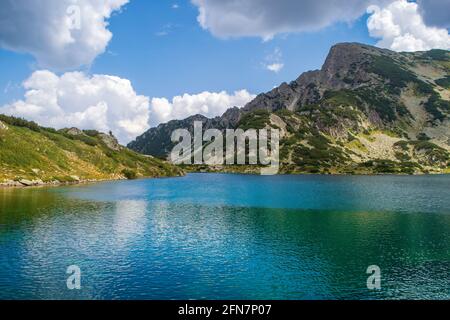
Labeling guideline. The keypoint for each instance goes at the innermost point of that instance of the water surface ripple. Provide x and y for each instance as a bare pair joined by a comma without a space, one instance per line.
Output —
217,236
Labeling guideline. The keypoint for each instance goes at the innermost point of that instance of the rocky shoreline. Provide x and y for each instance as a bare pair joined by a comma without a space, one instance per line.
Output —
24,183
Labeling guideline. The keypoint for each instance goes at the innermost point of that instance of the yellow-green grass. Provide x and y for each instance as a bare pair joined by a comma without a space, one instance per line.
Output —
50,156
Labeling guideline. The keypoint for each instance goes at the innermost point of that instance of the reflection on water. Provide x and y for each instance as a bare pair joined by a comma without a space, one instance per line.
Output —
193,238
420,194
129,220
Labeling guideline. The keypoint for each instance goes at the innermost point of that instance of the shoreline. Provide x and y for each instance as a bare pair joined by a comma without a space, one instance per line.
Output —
40,184
335,173
328,174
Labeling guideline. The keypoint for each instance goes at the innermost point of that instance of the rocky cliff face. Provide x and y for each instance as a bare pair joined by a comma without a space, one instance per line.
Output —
367,110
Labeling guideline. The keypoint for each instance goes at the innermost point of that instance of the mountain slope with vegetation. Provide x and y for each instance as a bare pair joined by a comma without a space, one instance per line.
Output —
33,155
368,110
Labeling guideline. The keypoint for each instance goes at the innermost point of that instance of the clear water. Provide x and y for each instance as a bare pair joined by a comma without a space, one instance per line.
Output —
213,236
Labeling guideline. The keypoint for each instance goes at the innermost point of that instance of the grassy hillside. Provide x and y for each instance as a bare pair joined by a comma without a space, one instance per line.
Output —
28,151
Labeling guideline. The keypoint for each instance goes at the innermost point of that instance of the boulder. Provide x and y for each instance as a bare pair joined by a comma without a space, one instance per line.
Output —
26,183
110,141
74,132
31,183
3,126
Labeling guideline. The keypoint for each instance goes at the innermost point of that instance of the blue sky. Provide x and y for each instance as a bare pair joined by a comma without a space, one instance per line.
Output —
189,59
165,50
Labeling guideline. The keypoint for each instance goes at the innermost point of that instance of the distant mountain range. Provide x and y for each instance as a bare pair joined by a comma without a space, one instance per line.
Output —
33,155
368,110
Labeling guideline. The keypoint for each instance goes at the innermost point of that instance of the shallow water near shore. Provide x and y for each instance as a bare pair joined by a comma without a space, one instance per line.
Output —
219,236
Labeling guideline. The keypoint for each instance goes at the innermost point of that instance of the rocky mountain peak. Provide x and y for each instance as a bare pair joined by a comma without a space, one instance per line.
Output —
366,110
346,67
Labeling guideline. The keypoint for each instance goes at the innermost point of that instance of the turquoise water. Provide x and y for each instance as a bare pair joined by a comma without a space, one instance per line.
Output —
213,236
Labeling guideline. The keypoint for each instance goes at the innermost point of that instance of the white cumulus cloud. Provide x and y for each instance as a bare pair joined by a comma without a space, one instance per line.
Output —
60,34
209,104
109,103
267,18
74,99
401,27
400,24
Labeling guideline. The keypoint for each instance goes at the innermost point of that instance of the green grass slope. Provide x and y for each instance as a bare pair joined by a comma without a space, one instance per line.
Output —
31,152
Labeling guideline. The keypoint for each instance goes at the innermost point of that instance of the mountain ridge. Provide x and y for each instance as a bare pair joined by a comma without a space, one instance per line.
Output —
367,110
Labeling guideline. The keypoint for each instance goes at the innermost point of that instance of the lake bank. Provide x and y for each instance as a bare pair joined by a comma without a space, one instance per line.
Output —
386,169
23,183
40,183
